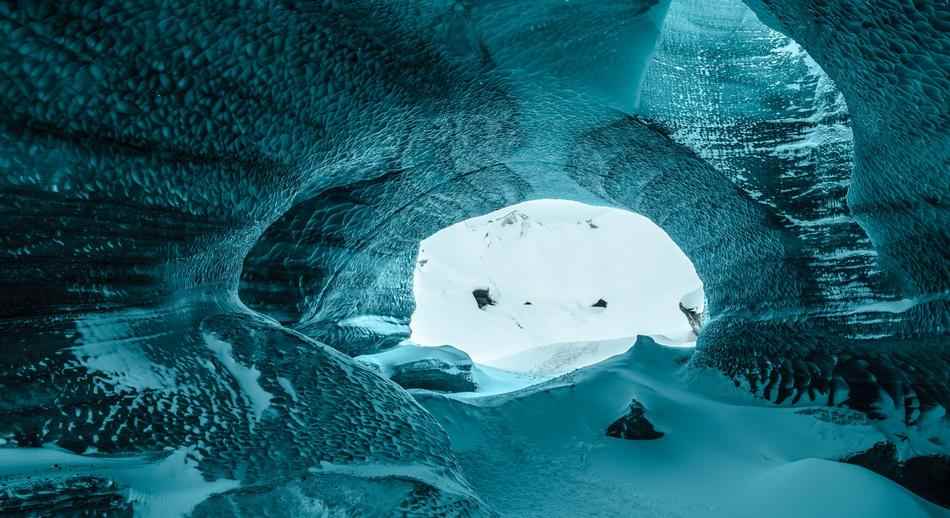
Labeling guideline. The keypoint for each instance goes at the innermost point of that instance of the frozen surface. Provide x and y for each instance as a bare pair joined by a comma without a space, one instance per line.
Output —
814,487
715,459
545,264
492,380
253,403
388,361
246,377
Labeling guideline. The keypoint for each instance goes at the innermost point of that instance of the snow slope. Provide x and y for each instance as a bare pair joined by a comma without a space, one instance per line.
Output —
543,452
555,359
545,263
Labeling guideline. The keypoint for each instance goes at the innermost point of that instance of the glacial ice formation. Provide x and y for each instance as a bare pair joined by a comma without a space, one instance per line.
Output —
209,207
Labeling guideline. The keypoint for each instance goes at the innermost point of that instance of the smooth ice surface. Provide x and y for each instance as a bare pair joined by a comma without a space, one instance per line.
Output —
545,264
819,488
443,367
388,360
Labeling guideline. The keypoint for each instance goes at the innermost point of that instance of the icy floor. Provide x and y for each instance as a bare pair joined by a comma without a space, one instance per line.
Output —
536,447
542,451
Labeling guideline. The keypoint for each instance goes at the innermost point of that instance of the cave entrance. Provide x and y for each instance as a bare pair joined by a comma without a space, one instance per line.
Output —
547,286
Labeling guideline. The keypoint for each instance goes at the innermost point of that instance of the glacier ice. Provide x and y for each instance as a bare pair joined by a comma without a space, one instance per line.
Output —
209,208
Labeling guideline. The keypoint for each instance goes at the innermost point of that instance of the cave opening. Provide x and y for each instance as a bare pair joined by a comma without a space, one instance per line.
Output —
549,285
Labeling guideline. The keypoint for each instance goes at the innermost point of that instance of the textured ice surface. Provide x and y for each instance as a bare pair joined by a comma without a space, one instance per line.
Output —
246,377
781,129
260,174
889,60
156,487
251,402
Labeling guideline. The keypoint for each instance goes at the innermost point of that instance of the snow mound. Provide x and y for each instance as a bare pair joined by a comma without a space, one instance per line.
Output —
818,488
555,359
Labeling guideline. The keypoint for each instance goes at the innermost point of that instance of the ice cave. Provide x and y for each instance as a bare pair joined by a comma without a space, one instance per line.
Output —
245,265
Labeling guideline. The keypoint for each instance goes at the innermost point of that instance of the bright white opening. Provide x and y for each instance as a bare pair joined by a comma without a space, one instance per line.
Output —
545,264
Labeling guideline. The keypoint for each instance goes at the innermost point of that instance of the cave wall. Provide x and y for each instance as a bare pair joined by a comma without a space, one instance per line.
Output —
889,59
780,130
146,148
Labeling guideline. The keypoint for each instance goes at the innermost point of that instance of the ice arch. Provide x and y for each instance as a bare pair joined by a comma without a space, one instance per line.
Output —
553,272
359,297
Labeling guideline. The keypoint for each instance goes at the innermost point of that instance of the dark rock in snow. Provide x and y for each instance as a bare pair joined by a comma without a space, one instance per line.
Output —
601,303
928,475
482,298
634,426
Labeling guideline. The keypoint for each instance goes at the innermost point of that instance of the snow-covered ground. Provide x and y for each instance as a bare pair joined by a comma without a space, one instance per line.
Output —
545,264
542,451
